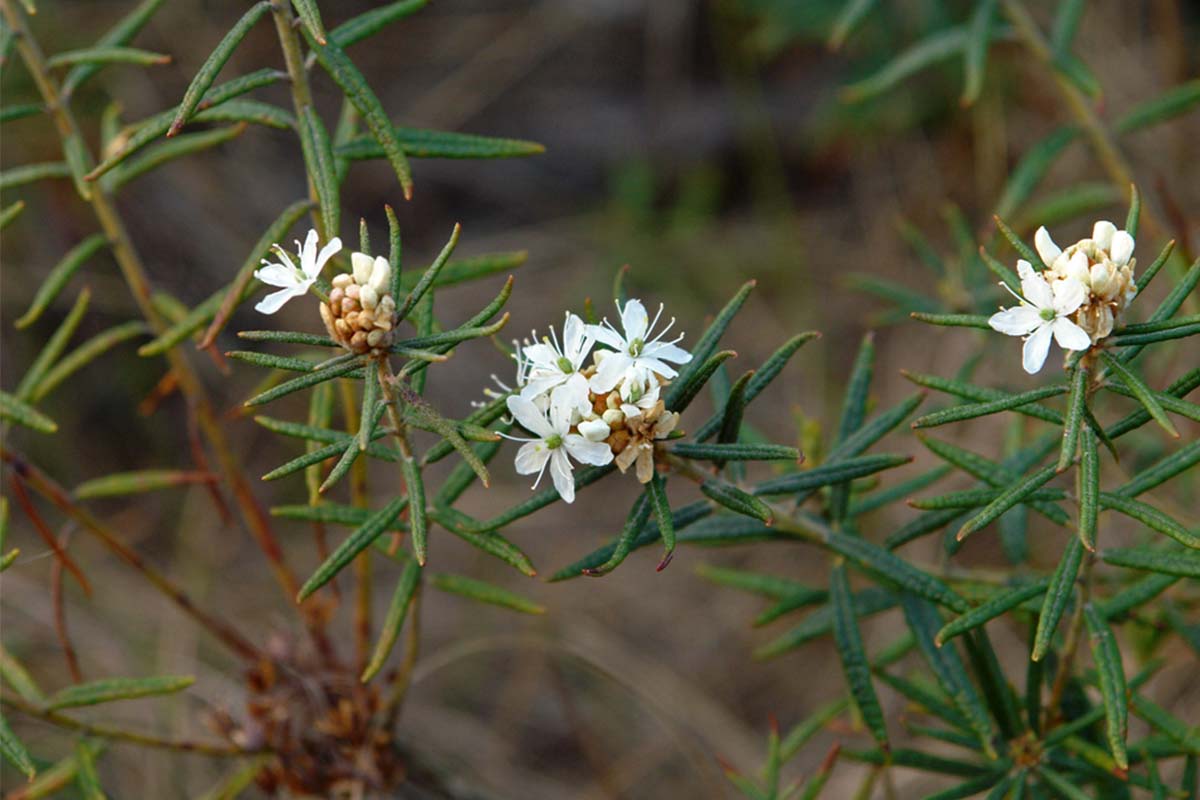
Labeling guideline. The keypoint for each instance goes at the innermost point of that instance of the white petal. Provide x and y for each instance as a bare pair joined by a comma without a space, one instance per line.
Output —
1102,234
1046,247
1122,248
606,335
587,452
562,411
381,275
634,320
1070,336
277,275
308,253
1078,267
542,355
362,264
1016,321
529,416
331,248
1068,296
1033,354
667,352
538,386
576,341
594,430
610,372
657,367
275,300
532,457
560,471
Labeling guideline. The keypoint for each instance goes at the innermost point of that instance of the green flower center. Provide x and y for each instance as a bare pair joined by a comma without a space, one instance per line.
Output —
635,392
554,441
1047,314
565,365
635,347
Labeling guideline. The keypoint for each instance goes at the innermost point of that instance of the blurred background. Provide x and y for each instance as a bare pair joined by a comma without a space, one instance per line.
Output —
701,143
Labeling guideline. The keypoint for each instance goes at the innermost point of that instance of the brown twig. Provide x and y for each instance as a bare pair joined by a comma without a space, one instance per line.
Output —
120,734
45,486
60,615
39,524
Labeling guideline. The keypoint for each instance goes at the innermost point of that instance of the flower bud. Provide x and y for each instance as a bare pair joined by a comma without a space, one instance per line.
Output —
1102,234
362,264
1122,248
613,417
594,430
1102,279
368,297
342,280
381,276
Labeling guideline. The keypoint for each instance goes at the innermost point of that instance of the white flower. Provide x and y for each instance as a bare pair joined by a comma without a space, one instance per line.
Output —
1043,312
637,355
550,367
555,445
293,281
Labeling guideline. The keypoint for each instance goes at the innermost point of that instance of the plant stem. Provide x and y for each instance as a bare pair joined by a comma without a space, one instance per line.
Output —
293,58
362,562
1098,135
135,276
45,486
1070,647
120,734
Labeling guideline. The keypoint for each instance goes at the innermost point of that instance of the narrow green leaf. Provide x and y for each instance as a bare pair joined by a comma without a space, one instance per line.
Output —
21,111
975,51
638,516
1182,563
59,276
977,498
10,213
853,655
1030,170
657,489
419,143
702,451
932,49
707,344
953,320
1151,517
737,501
583,477
1171,103
87,352
1166,334
887,496
763,376
107,55
14,751
53,348
415,488
1006,500
1058,595
771,586
148,131
20,412
402,597
999,603
852,13
1135,211
1089,490
112,689
180,147
1076,405
680,395
1143,393
318,155
303,382
1143,280
354,544
288,337
1162,720
486,593
1173,404
731,413
973,410
86,776
310,18
1178,388
339,66
1025,251
147,480
886,567
491,543
212,66
119,34
819,623
1107,658
830,474
430,275
29,173
370,22
925,621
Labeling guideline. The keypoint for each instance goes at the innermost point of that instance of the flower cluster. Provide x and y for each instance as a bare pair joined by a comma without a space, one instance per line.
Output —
361,312
607,411
1078,298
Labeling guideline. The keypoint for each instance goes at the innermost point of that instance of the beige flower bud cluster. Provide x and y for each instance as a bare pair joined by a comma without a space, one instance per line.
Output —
361,312
630,429
1104,265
